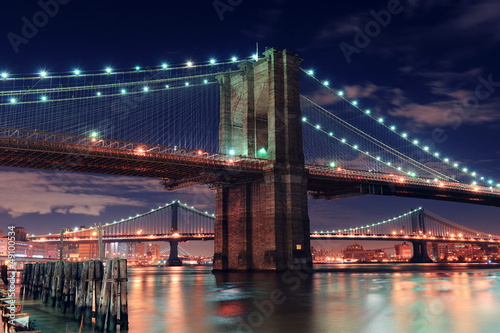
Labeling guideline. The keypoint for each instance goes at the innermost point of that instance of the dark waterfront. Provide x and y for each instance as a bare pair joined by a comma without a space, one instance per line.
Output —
336,298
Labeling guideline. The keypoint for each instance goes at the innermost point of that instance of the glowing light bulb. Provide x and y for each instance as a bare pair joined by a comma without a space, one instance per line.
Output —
164,66
205,81
189,64
310,72
255,57
367,111
186,84
340,93
415,142
108,70
318,126
326,83
304,119
4,75
123,91
76,72
393,128
234,59
43,73
404,135
212,61
380,120
13,100
231,152
98,93
44,98
146,89
137,68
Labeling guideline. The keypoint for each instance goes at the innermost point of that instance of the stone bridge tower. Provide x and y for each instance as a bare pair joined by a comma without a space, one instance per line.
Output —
262,222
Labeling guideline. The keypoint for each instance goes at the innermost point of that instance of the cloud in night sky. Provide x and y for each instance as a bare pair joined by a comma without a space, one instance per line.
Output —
45,193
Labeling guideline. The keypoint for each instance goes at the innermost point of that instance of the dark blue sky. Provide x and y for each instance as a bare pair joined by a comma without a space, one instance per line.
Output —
414,70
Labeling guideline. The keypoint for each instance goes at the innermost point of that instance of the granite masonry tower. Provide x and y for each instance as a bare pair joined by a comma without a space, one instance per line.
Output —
262,223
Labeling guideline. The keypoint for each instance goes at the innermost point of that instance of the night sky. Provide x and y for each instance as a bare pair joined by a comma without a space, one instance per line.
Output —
424,60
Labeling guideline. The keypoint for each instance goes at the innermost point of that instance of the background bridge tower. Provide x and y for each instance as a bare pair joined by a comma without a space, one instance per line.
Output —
420,254
173,259
262,222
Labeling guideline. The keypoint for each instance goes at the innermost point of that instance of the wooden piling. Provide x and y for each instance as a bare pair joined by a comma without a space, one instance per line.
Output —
23,279
99,268
66,287
114,294
59,283
46,282
34,279
123,295
83,269
89,299
74,285
53,287
103,309
39,280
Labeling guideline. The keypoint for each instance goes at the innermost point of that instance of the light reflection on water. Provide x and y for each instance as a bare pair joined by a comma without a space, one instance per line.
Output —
336,298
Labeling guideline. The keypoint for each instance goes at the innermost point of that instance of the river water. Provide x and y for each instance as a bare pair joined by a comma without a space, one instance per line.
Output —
335,298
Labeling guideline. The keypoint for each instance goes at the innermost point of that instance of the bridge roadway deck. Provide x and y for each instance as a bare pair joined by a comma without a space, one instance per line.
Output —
184,167
314,236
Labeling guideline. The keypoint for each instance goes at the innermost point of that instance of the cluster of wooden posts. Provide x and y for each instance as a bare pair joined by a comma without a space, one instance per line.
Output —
86,289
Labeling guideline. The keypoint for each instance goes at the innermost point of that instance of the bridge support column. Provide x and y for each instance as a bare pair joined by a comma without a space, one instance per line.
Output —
420,252
173,259
262,223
